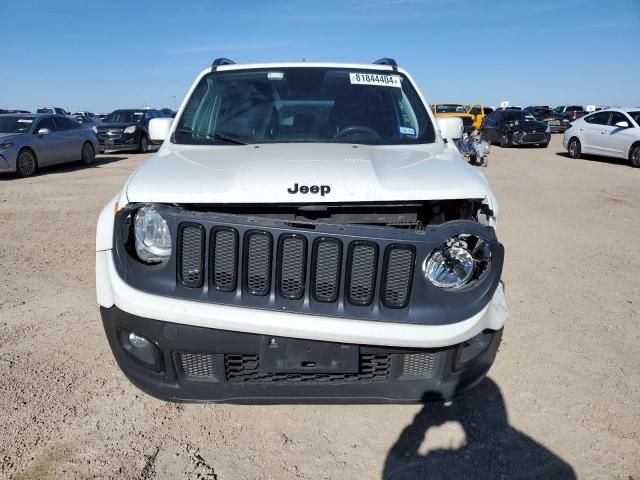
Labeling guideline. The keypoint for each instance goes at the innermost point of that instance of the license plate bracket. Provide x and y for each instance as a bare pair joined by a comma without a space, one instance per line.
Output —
289,355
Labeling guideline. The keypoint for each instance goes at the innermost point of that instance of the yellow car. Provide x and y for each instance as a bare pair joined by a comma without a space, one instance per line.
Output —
471,115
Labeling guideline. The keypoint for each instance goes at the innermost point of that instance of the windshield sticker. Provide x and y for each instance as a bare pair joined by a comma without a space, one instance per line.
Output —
375,79
25,120
407,131
275,75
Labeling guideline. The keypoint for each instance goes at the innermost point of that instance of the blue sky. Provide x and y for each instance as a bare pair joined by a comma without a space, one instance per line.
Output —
101,55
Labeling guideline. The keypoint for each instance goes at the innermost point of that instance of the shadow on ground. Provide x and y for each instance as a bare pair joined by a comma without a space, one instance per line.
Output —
596,158
493,449
67,167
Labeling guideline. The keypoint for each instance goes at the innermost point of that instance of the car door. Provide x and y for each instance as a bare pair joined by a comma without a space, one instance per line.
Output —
591,130
71,139
49,148
617,141
488,127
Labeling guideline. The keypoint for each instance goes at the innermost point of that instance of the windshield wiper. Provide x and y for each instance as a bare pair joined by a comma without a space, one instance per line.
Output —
215,136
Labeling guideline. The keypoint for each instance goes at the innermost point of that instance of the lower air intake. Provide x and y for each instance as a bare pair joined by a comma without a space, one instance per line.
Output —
196,366
418,364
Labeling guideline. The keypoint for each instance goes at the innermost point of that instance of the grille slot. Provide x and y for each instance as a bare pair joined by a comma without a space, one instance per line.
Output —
418,364
191,258
245,369
258,263
363,257
198,366
398,272
224,255
327,258
292,259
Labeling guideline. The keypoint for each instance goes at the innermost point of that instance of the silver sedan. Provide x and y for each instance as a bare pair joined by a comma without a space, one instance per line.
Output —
31,141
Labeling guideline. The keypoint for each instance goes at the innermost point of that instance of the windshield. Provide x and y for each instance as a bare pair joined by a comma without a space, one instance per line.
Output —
518,115
125,116
451,108
11,124
304,104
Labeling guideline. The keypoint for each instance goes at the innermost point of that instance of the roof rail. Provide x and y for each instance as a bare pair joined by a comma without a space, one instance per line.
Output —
386,61
221,61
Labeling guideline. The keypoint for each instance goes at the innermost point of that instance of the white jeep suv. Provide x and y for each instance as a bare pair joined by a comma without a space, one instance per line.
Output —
304,234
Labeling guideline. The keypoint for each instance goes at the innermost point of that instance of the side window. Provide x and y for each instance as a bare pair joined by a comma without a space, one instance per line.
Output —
600,118
618,117
47,123
66,124
475,111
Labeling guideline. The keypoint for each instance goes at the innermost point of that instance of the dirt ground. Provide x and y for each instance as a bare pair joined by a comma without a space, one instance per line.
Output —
562,400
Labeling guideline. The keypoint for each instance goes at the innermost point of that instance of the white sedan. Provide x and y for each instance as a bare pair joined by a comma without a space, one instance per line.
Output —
614,132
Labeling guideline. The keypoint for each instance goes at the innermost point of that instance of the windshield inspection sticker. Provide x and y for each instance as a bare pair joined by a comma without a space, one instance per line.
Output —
407,131
275,75
375,79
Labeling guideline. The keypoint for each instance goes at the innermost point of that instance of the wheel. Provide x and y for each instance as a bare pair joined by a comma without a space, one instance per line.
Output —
544,145
144,144
574,148
26,164
634,156
504,141
88,153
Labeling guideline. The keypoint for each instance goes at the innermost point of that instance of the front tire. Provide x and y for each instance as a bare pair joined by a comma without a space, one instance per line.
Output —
574,148
504,141
144,144
88,153
26,164
634,156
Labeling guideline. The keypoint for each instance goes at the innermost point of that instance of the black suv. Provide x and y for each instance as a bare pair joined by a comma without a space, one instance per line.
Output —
126,130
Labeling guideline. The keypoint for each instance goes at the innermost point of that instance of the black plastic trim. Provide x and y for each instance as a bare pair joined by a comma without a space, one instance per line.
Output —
281,240
314,258
181,229
385,269
212,258
352,247
245,268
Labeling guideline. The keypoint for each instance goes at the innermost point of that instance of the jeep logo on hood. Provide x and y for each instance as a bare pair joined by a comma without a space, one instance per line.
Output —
304,189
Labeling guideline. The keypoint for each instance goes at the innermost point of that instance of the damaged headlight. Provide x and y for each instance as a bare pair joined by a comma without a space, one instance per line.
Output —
458,262
153,239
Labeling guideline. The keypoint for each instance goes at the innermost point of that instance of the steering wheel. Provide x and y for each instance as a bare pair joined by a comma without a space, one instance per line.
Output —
356,129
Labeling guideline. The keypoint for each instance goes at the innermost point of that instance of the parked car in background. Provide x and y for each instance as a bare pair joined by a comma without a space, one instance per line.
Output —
86,121
167,112
479,111
29,142
458,110
571,112
515,127
557,122
102,116
84,114
55,110
614,132
3,111
126,129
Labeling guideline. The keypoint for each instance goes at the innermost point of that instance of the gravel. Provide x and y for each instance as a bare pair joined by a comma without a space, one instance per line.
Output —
561,400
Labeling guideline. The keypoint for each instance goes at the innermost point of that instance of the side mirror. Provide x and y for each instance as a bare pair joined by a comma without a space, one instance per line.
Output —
159,129
623,124
44,131
450,127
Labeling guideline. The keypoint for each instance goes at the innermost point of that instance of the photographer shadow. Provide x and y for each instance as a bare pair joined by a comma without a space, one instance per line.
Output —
493,449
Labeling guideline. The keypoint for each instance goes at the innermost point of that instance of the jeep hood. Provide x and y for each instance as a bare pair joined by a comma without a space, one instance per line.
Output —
264,174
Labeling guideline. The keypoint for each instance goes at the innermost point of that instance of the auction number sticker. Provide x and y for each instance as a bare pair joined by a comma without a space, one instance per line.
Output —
375,79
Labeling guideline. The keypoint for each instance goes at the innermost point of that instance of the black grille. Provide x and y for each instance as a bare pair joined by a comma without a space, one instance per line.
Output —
198,366
224,255
292,258
418,364
326,270
252,263
363,257
258,263
245,369
398,266
191,258
534,137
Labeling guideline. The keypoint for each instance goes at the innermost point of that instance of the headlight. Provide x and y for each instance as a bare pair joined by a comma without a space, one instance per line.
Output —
153,240
94,129
131,129
4,146
548,129
457,262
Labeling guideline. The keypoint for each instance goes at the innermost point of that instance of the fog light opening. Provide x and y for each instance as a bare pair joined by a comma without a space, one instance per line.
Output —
137,341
